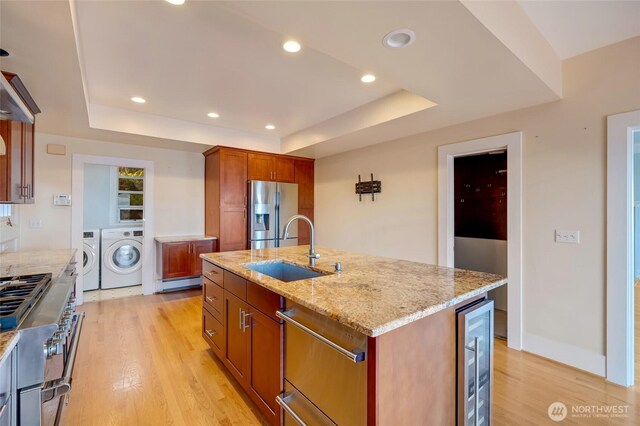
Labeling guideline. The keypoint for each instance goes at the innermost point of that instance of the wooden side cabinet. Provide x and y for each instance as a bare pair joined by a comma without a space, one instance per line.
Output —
181,259
16,167
250,339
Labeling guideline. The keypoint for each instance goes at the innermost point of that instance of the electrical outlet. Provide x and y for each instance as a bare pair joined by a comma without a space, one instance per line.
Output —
568,237
35,223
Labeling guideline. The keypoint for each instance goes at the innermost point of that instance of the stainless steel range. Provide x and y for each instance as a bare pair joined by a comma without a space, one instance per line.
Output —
43,310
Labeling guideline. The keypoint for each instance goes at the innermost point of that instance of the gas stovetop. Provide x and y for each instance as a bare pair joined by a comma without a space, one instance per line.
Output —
18,295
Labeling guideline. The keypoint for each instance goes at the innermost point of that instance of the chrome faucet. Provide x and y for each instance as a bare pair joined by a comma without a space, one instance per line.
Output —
312,254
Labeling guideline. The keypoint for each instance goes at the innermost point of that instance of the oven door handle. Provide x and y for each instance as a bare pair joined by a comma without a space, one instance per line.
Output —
59,387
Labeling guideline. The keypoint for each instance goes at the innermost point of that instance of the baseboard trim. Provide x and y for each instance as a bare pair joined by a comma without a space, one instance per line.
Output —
566,354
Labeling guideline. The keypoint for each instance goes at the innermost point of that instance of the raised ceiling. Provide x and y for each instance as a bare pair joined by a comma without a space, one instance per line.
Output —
84,60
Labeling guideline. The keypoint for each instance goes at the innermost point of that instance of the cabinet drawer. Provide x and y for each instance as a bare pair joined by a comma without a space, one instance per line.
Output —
264,300
235,284
212,272
213,297
213,332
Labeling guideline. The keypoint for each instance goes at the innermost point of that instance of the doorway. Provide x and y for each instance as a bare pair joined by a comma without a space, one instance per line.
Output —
511,144
620,301
480,222
114,214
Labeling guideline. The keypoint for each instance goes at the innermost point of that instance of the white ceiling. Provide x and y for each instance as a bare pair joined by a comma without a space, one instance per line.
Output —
575,27
83,60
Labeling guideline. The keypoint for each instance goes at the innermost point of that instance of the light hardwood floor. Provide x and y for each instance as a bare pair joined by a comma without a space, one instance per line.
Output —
142,361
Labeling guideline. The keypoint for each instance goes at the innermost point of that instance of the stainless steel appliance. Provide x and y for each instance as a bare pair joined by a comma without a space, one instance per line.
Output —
475,363
270,204
44,311
325,370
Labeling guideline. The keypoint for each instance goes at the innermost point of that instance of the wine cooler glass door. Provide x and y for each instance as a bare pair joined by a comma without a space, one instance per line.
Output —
475,364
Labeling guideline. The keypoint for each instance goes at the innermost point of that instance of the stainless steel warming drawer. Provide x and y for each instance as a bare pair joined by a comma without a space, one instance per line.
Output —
325,368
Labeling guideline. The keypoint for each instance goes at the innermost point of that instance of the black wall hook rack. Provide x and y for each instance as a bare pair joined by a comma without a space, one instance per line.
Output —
372,187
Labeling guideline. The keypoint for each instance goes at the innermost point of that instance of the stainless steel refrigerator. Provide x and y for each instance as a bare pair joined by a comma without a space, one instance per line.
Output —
271,204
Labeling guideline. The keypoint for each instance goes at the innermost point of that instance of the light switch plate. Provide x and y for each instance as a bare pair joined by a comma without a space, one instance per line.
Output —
567,237
35,223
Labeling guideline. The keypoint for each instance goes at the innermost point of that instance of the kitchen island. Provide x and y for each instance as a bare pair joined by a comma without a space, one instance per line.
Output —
393,324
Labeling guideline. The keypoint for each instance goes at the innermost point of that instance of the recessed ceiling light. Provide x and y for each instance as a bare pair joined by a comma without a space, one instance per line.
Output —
176,2
213,115
269,127
399,38
138,100
368,78
291,46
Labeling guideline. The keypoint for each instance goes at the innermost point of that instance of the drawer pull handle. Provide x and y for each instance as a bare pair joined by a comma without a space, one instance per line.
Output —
281,402
210,333
211,298
355,357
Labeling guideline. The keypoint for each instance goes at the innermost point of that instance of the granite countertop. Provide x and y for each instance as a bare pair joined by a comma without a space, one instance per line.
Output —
372,295
8,341
181,238
35,262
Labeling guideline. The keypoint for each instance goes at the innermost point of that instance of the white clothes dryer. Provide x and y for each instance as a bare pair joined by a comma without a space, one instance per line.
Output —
91,259
121,257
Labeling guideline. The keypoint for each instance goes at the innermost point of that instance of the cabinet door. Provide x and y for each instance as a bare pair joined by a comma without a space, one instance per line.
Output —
236,348
266,373
5,164
304,179
233,229
284,170
176,260
197,248
16,189
27,162
261,166
233,178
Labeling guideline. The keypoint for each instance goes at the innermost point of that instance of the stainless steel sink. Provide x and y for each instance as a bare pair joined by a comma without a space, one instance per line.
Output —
286,272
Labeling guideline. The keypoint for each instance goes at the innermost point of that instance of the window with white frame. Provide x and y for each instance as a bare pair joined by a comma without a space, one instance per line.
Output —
5,210
129,190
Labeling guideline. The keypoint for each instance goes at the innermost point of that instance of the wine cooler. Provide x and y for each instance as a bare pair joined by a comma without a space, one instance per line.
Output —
475,364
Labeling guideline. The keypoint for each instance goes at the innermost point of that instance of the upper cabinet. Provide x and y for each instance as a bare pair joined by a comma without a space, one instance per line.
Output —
227,173
16,166
271,167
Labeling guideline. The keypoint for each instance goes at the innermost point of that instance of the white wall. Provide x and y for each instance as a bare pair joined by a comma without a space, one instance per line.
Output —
97,196
564,188
178,195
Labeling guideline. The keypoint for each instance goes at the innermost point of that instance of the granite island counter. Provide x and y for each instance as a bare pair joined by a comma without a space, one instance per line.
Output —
383,341
372,295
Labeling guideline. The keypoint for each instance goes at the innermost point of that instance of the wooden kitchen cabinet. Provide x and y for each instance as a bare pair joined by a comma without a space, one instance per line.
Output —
237,344
304,171
249,337
16,167
266,372
227,173
269,167
181,259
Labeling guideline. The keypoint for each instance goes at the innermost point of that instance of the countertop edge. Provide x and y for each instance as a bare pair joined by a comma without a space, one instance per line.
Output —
8,341
184,238
377,331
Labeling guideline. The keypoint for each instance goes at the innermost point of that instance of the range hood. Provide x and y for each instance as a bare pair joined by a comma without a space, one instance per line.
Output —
15,102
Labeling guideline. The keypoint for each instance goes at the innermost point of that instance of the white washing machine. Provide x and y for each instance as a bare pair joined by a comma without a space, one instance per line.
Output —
121,257
91,259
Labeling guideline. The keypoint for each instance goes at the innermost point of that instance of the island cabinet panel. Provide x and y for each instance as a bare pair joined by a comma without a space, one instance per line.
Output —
266,371
213,333
213,299
245,334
